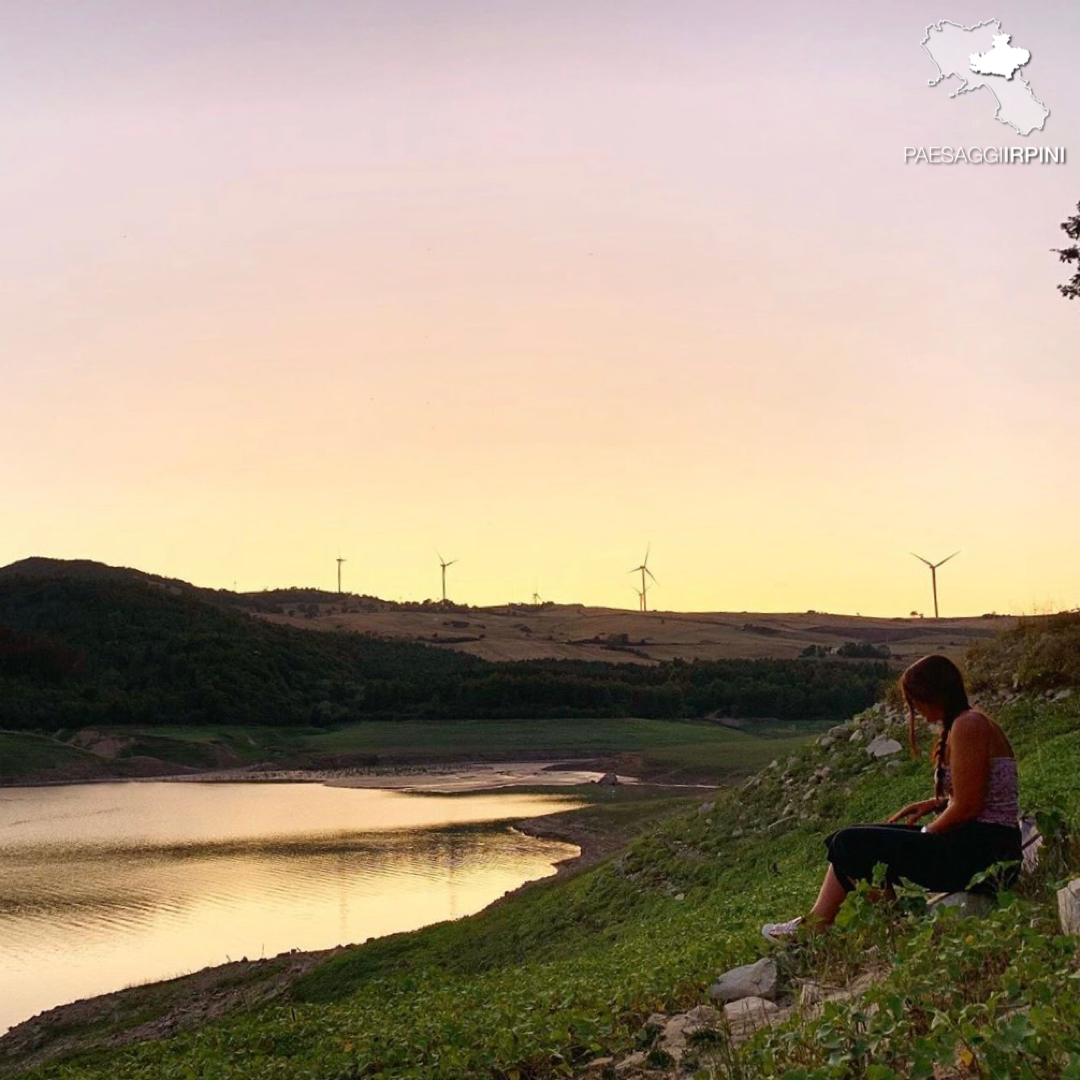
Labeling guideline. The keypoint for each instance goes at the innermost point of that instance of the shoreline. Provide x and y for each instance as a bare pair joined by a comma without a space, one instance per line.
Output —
207,993
435,777
190,1000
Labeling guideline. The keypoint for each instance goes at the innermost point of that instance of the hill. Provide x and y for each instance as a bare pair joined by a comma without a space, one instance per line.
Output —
579,632
563,975
82,644
558,631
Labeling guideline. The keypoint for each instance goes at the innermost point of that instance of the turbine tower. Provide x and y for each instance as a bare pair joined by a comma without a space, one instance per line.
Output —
444,564
933,574
640,598
340,560
644,568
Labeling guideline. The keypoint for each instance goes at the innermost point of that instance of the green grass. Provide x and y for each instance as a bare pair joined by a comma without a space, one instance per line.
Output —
536,986
681,748
25,755
695,746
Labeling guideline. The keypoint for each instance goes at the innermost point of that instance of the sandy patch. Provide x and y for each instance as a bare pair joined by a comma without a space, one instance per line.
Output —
488,777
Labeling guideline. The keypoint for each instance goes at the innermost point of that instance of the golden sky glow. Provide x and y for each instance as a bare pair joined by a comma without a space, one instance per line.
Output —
534,285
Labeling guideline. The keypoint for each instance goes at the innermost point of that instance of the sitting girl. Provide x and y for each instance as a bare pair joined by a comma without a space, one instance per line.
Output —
975,798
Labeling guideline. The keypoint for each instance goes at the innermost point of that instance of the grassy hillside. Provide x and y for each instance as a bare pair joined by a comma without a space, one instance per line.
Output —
560,973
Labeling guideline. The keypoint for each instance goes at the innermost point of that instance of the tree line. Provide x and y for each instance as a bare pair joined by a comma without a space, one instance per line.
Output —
75,653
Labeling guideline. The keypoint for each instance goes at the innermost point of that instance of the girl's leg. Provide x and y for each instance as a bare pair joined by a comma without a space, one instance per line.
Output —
828,903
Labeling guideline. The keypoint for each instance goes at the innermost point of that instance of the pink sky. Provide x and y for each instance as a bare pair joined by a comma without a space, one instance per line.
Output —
536,284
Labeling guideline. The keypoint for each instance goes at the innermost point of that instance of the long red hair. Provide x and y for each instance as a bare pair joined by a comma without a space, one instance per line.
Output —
934,680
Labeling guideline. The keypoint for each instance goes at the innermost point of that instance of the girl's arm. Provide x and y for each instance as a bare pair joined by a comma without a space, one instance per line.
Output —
969,758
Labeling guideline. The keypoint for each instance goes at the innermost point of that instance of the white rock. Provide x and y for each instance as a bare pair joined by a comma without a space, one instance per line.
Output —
681,1026
856,736
883,747
1069,907
1061,695
970,905
744,1017
756,980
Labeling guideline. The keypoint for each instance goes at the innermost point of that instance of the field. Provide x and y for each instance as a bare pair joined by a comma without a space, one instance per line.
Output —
573,631
669,749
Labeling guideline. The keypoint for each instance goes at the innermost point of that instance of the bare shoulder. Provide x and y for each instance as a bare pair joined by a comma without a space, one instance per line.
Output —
974,724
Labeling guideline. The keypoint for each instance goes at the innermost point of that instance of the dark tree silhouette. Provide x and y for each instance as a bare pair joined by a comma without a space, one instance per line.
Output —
1071,228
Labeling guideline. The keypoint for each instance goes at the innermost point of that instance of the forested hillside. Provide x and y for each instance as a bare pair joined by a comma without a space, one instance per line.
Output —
117,649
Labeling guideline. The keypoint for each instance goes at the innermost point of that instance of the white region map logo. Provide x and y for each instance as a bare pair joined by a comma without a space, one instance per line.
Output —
983,58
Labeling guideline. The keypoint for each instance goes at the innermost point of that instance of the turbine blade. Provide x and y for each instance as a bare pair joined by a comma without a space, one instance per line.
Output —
651,574
922,560
952,556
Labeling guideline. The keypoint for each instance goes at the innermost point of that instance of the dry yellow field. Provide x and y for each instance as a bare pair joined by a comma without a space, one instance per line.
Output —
573,631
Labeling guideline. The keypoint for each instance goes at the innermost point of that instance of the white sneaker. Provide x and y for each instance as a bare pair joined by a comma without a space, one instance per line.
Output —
783,931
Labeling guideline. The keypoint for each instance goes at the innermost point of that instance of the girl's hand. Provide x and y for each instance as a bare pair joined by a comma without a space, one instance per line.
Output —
913,811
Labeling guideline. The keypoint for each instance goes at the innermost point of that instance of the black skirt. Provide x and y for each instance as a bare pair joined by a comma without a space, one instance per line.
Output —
941,862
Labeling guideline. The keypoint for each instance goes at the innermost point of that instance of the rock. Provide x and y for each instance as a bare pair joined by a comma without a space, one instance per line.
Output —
1030,842
856,736
749,981
657,1020
608,780
823,773
808,795
598,1063
1069,907
826,741
1061,695
634,1061
838,732
681,1026
736,833
968,904
892,765
746,1016
706,808
883,747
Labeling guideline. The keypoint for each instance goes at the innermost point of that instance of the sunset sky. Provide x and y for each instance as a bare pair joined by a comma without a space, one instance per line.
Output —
534,284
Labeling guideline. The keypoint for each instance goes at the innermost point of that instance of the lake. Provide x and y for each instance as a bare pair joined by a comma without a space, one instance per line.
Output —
107,885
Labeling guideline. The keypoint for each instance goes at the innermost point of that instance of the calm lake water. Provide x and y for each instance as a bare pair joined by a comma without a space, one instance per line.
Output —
106,885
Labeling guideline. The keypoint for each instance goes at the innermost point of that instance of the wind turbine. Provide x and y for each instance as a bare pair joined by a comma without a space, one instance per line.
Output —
644,568
933,574
340,560
640,598
444,564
